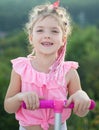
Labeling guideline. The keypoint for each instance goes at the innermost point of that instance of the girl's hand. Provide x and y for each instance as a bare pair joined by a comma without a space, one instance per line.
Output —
31,99
81,103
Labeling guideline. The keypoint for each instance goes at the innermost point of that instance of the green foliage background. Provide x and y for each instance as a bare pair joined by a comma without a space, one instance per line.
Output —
83,47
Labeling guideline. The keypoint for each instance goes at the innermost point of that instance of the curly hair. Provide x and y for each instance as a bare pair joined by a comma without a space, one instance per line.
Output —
43,11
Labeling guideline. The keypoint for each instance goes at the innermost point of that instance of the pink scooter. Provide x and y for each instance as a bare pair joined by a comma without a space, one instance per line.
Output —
57,106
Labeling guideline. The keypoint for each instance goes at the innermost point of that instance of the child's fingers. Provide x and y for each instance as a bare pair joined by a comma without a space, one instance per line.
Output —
77,106
85,106
27,103
69,101
41,97
30,100
36,101
80,107
23,98
33,102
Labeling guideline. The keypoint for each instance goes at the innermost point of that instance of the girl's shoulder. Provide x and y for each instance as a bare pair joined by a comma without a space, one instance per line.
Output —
70,70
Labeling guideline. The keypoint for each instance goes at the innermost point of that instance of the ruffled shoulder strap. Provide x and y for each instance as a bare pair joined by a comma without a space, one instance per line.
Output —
70,64
19,64
66,66
63,69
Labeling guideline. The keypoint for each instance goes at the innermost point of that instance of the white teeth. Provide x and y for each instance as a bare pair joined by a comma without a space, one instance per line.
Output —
47,43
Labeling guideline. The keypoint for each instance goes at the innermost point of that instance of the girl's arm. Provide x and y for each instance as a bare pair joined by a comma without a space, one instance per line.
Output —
11,102
77,95
14,96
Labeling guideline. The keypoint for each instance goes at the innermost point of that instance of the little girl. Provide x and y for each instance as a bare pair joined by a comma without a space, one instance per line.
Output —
44,74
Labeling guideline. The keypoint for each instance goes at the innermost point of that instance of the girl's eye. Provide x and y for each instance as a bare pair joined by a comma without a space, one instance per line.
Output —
40,30
55,31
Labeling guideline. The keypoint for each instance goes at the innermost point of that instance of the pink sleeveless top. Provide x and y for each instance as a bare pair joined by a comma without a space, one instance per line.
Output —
50,86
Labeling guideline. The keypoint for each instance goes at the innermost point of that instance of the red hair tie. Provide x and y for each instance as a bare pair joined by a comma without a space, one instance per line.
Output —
56,4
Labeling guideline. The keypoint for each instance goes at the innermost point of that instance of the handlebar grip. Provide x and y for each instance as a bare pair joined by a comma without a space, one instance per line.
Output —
24,105
51,104
43,104
92,105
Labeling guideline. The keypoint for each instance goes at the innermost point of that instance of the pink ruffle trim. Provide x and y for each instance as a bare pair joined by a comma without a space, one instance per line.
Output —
23,67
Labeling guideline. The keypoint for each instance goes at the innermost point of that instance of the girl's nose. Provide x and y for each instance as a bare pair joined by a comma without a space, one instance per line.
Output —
47,35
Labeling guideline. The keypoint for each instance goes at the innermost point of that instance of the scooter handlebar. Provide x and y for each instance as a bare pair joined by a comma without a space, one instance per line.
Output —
59,104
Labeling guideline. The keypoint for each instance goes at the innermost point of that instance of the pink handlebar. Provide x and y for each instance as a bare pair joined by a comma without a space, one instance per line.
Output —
58,105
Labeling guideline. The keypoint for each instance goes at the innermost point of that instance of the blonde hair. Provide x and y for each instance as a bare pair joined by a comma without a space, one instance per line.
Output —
63,19
42,11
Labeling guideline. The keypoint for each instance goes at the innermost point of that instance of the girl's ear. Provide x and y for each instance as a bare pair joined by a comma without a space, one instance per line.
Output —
64,40
30,39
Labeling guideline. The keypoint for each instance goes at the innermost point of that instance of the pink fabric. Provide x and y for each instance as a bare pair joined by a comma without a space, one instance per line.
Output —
51,86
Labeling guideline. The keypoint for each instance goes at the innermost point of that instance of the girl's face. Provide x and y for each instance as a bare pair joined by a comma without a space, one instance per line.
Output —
47,36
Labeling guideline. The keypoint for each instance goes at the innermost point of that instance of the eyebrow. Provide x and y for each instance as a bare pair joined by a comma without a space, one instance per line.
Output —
39,27
43,27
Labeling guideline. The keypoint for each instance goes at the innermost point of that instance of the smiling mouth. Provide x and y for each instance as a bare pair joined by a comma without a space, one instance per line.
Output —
47,44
